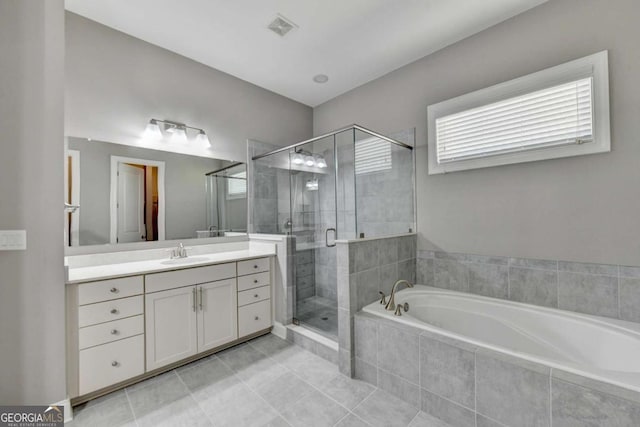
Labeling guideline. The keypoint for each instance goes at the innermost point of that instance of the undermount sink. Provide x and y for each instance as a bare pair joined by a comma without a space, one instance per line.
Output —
188,260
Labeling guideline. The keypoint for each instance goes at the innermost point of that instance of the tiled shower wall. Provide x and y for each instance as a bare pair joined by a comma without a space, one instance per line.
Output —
598,289
365,268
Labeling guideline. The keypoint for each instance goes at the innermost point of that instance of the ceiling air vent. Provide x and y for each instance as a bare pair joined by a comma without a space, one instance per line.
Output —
281,25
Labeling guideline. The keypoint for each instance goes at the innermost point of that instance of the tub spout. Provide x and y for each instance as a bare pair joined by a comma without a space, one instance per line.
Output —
391,305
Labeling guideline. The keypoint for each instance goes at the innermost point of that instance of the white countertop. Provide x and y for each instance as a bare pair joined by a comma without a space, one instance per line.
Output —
110,271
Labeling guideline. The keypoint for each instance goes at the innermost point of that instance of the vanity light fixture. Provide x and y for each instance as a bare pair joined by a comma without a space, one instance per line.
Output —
306,158
312,184
177,131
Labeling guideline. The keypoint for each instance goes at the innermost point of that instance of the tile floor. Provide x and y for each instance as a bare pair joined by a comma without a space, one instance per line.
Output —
320,314
265,382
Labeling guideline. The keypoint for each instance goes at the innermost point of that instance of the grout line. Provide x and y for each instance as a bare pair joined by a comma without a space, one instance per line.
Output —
193,397
550,398
414,417
135,419
255,391
475,387
492,419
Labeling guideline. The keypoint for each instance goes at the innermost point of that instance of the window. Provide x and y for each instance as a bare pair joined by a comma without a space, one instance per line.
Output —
372,155
237,185
559,112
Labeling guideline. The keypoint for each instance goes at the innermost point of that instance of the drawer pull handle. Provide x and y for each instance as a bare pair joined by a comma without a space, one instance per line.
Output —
256,318
114,332
256,296
114,311
114,290
115,363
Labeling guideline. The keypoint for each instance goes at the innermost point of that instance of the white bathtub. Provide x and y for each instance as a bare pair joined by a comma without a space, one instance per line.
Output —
595,347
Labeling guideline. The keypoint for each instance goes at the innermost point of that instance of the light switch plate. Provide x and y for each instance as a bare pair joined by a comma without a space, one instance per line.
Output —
13,240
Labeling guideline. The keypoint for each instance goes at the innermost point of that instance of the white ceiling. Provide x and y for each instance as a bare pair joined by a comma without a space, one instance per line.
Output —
351,41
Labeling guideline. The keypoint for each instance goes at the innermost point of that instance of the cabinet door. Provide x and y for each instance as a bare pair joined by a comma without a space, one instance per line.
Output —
217,314
170,326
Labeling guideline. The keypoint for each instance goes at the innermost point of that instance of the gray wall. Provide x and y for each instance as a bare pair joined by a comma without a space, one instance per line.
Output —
32,363
185,192
115,83
576,209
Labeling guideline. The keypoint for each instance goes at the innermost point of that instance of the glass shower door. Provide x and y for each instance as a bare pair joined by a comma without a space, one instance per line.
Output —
314,225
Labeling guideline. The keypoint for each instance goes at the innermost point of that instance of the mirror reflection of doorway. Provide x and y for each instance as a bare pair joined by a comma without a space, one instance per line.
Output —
72,197
137,188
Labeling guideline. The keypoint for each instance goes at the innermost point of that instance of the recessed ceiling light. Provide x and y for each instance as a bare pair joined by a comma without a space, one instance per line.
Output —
281,25
321,78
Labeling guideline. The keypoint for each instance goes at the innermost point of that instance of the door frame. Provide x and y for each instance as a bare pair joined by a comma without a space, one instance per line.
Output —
113,205
74,238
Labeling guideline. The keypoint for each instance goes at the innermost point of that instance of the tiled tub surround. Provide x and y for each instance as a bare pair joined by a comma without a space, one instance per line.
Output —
598,289
466,385
365,268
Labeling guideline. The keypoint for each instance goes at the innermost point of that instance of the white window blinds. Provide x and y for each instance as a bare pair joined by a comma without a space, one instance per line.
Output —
559,115
237,184
372,155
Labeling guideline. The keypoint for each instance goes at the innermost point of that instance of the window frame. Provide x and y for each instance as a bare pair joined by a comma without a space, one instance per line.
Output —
233,196
595,66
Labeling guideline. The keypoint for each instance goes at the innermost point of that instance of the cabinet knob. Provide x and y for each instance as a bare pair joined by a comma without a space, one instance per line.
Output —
256,318
256,296
114,290
114,311
255,280
255,266
114,332
115,363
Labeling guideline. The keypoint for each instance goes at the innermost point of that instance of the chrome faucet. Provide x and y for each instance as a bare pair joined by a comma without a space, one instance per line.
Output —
179,252
391,305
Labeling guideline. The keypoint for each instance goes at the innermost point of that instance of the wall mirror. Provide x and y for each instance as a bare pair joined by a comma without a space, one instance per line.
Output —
127,194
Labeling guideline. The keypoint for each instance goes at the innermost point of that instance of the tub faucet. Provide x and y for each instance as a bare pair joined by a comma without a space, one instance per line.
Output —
391,305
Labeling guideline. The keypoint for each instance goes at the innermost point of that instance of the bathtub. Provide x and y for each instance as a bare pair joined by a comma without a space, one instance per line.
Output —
595,347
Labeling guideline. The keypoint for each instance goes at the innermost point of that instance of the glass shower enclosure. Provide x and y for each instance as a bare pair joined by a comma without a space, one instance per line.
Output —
348,184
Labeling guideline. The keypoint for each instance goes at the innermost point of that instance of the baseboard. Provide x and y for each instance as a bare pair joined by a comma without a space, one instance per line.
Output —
66,404
279,330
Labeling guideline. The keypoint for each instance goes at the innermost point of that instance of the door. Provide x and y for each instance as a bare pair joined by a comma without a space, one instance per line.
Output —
315,225
217,314
170,326
131,198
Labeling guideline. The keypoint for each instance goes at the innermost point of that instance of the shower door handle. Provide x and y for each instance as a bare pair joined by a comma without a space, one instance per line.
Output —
326,237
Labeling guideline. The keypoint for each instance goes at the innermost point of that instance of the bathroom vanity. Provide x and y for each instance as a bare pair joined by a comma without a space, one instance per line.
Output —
127,321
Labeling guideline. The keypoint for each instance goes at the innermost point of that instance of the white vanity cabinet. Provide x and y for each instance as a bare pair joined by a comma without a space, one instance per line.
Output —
107,325
189,320
127,329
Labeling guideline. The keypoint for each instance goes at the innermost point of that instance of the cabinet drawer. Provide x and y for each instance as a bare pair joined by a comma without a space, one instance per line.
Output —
111,363
254,295
253,281
101,312
254,317
253,266
188,276
110,331
105,290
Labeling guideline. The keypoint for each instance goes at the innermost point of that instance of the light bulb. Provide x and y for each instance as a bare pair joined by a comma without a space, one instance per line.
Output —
178,135
152,131
320,161
309,160
203,140
297,159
